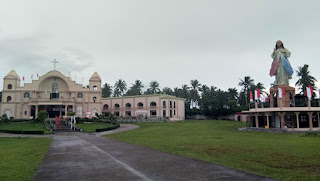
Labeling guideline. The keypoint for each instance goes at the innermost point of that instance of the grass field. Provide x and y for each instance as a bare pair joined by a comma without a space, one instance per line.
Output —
92,126
20,157
25,126
281,156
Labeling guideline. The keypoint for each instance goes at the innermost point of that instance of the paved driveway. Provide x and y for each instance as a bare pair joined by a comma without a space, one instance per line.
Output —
81,156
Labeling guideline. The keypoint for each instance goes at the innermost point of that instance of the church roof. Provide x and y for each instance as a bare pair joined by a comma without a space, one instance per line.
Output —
12,74
95,76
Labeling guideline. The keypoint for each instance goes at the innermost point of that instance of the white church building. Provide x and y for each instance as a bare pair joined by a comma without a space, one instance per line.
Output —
59,94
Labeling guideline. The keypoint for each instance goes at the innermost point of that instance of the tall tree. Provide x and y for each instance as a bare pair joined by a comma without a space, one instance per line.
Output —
177,92
167,90
246,83
305,79
185,92
195,84
259,85
106,90
135,89
194,91
204,89
233,92
154,87
119,87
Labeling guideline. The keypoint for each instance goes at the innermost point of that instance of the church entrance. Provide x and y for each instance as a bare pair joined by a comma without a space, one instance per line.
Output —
53,110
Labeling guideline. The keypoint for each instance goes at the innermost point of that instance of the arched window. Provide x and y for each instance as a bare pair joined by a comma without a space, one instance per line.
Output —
128,105
153,104
174,104
117,105
26,95
170,104
54,87
164,104
106,106
8,98
95,87
94,99
140,104
25,112
9,86
80,95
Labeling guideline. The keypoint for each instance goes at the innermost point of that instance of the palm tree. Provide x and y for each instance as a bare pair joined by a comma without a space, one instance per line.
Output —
177,92
120,86
154,87
204,89
233,92
185,91
259,86
135,89
305,79
106,90
167,90
247,82
195,84
194,91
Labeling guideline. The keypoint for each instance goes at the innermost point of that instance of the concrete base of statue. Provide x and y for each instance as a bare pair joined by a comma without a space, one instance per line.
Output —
290,92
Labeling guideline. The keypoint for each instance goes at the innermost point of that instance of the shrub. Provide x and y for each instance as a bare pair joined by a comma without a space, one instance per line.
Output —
116,125
4,119
42,115
71,113
112,118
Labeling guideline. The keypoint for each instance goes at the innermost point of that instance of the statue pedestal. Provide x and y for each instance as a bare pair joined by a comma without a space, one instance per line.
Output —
285,99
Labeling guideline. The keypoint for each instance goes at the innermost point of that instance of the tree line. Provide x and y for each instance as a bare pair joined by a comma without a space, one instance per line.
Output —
212,100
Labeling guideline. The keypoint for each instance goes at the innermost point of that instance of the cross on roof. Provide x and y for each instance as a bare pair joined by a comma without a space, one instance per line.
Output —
54,63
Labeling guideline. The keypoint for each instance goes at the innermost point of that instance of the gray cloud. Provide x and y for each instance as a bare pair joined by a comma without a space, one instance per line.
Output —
217,42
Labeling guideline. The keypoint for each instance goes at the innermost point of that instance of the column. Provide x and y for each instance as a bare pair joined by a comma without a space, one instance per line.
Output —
293,99
36,112
318,120
282,119
29,111
60,112
271,99
297,116
310,120
257,121
66,110
255,105
267,115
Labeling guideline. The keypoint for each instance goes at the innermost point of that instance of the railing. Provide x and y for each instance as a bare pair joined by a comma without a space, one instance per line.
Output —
51,100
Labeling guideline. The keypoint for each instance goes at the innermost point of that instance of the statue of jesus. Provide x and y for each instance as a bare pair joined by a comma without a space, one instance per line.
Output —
281,67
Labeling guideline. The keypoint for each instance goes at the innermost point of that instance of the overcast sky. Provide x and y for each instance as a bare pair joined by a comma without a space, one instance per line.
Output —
170,41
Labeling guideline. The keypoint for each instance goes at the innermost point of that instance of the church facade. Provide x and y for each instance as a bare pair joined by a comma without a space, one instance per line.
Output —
59,94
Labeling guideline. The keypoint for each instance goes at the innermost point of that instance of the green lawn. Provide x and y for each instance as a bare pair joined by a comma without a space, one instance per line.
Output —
20,157
280,156
25,126
91,127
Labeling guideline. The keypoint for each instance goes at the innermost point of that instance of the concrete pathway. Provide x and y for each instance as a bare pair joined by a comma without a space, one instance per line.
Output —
81,156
